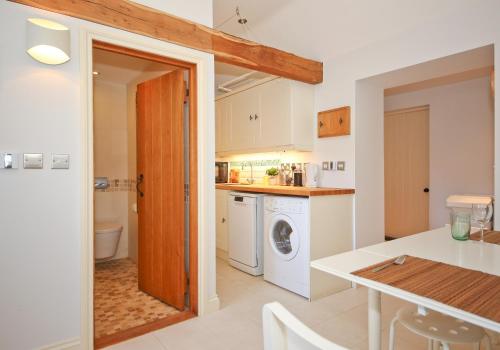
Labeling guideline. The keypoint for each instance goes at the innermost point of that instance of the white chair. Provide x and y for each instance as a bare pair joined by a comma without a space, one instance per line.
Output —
283,331
438,329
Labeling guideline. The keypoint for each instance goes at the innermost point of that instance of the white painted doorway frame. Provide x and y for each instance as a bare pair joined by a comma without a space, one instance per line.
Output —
206,157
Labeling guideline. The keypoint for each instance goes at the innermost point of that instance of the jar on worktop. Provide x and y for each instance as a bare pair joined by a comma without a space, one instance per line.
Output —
460,224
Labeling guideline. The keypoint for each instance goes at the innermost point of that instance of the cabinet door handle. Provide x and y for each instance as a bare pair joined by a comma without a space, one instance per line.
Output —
320,124
426,190
223,220
341,121
256,117
250,117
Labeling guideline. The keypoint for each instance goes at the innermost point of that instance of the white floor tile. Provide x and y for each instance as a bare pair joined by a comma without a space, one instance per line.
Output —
341,317
145,342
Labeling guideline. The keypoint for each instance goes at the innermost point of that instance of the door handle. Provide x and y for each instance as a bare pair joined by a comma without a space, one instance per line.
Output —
223,220
256,117
250,117
426,190
140,180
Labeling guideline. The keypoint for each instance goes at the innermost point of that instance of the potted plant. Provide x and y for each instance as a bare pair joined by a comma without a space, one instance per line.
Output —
273,176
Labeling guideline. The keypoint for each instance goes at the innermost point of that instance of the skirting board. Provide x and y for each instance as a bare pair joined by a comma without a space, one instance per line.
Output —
69,344
212,305
222,254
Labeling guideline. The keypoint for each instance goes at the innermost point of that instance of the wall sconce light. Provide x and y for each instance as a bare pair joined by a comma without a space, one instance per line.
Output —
48,42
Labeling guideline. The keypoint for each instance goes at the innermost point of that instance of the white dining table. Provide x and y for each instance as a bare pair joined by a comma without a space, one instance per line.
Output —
436,245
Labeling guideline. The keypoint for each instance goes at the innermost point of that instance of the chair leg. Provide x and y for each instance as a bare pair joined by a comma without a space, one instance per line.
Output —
430,344
392,332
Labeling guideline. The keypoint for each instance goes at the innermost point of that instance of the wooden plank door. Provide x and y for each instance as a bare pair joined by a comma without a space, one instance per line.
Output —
406,166
160,169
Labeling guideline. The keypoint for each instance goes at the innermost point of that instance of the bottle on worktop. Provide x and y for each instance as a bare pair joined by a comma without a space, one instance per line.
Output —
297,174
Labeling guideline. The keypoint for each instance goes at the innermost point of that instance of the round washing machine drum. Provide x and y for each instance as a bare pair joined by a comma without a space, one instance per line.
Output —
284,237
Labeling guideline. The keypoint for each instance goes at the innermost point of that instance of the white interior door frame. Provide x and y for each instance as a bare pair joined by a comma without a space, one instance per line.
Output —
206,156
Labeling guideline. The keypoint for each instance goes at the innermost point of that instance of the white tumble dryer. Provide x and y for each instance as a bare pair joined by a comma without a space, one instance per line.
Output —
286,243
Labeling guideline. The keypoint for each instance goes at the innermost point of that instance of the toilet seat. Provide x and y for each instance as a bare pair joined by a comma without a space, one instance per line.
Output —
107,227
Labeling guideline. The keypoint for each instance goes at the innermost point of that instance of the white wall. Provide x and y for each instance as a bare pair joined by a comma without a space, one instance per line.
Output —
442,37
111,157
133,223
40,210
199,11
461,140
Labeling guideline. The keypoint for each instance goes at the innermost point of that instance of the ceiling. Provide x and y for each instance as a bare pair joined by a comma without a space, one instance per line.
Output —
322,29
122,69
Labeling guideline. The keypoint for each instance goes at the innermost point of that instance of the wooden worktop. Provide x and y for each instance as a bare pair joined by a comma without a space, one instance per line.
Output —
286,190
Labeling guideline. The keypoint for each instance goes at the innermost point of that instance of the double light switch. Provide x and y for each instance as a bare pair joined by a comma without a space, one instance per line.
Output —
33,161
60,161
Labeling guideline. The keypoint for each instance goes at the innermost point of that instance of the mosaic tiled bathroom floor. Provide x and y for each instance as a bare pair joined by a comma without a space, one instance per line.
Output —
118,302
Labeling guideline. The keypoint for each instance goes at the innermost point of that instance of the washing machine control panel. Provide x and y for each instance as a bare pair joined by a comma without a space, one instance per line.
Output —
291,205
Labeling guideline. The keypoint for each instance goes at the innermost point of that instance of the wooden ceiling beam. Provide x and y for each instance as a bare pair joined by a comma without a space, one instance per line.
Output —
139,19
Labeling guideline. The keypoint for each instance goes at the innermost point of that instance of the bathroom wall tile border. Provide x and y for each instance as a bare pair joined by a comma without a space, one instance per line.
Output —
120,185
273,162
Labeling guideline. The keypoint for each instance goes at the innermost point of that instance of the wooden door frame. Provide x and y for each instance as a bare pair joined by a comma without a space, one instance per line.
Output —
407,110
198,64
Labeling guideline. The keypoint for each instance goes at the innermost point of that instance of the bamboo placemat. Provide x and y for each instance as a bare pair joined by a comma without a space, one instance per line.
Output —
489,236
472,291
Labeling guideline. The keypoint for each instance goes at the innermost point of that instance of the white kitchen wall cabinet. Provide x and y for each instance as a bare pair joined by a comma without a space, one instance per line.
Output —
245,106
222,234
223,125
271,115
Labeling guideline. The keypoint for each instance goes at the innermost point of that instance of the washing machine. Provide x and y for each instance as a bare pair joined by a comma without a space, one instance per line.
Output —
286,243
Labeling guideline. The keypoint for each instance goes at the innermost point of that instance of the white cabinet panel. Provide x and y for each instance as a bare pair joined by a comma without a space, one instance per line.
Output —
223,111
243,124
275,125
221,219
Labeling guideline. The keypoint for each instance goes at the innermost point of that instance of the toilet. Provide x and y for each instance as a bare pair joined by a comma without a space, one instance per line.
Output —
107,236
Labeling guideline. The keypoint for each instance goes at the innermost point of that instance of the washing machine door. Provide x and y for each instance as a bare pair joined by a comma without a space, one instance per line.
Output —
284,237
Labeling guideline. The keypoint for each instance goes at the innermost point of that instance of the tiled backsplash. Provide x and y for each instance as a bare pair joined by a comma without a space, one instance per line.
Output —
259,168
120,185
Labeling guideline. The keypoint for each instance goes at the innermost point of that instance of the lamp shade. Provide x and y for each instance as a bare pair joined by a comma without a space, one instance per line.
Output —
47,41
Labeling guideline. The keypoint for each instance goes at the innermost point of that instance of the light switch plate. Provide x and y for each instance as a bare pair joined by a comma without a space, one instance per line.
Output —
33,161
60,161
9,160
326,166
341,165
